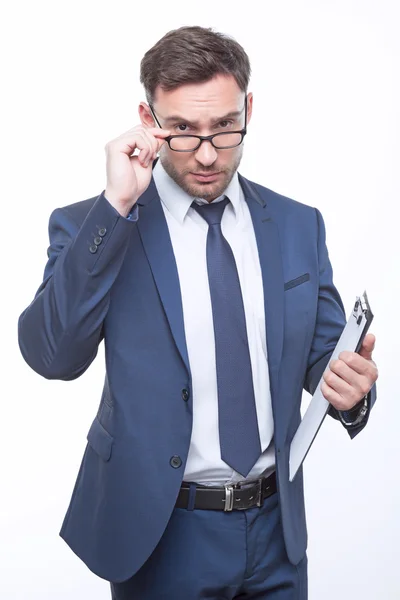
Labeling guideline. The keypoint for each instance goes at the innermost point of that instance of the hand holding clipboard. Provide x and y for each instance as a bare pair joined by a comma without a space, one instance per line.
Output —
351,339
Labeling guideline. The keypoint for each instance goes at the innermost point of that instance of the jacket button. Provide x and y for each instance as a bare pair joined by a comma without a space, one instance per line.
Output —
98,240
185,394
93,249
102,231
175,462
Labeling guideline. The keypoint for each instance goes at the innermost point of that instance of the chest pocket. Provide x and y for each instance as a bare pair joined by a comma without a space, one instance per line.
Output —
298,281
298,299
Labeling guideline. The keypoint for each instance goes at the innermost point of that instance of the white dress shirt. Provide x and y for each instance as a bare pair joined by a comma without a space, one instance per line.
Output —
188,232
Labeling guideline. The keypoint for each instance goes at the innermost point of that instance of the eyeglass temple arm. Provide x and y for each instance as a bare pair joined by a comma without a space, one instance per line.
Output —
154,116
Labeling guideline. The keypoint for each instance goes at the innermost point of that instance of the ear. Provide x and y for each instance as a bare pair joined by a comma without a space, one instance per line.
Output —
145,115
249,106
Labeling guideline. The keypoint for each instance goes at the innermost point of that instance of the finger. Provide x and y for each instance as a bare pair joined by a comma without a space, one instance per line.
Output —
159,135
357,362
368,346
332,396
151,133
343,370
153,142
340,386
155,131
362,379
336,399
128,143
160,143
340,401
145,134
361,383
158,132
143,144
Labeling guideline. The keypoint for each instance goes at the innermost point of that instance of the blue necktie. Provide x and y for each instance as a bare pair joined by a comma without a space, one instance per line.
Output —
238,427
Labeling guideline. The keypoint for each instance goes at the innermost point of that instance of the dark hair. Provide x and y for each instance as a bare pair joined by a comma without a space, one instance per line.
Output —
192,55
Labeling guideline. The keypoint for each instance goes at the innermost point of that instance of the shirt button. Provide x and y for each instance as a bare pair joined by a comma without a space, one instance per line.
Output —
185,394
175,462
93,249
102,231
98,240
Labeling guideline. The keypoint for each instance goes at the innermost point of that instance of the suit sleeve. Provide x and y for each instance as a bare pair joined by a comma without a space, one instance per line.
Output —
329,325
60,331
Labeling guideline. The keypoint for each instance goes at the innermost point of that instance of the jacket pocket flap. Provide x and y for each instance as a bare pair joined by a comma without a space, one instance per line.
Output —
295,282
100,440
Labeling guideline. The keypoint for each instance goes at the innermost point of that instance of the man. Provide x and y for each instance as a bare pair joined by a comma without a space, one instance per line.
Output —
215,299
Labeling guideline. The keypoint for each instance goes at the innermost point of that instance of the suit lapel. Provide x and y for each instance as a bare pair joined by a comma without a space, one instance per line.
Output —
269,251
153,231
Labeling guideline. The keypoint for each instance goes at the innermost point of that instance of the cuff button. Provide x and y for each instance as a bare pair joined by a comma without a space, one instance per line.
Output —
93,249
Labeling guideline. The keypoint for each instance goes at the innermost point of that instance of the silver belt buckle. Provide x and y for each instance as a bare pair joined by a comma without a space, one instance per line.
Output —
228,498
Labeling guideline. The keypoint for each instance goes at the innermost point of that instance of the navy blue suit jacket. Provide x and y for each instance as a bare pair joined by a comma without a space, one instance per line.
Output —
127,292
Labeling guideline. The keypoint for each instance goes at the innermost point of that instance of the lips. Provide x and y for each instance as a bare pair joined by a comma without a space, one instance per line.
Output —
206,176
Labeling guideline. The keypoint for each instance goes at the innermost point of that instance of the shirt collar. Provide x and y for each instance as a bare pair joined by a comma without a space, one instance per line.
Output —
178,202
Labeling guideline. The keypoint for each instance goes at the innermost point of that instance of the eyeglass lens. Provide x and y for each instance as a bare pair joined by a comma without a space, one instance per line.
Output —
221,140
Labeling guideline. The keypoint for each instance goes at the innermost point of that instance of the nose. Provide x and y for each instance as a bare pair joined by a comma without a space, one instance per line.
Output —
206,154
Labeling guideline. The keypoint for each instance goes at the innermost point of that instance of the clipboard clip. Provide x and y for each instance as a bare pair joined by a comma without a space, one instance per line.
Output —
364,303
361,307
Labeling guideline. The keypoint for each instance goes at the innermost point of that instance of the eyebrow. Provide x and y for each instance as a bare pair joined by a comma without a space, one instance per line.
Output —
177,118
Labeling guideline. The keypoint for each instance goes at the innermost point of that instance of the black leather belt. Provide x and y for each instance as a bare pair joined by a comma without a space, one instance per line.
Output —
238,496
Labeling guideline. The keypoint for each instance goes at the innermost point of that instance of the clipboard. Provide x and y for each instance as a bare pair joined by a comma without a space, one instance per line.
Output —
351,339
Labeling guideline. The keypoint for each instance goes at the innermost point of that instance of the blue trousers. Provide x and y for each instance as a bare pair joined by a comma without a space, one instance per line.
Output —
221,556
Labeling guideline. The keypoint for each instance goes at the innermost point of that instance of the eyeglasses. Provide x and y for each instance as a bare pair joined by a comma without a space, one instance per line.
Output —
221,141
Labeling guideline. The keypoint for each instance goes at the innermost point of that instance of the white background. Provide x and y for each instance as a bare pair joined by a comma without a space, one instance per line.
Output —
325,131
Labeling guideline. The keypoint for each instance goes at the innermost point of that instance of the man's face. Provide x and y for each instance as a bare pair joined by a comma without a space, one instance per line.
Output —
202,109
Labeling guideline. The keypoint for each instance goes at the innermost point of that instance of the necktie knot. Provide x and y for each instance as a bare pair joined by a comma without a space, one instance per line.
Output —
211,212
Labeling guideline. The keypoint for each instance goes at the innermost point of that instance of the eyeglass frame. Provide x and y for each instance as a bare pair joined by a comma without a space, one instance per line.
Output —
203,138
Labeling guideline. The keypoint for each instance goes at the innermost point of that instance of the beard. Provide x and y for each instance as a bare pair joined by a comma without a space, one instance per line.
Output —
206,191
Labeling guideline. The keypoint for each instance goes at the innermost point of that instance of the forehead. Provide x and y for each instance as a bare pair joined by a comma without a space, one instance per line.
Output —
208,100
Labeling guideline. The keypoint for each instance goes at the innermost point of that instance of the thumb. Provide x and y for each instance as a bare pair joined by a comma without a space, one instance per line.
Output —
367,346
